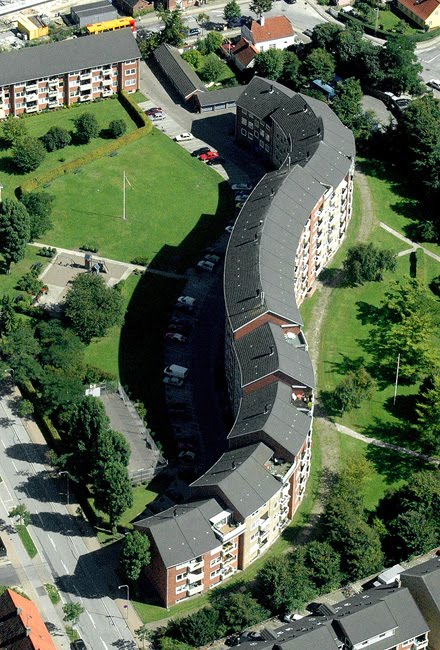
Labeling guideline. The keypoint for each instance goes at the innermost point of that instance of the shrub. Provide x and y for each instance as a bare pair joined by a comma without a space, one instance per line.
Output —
28,154
140,261
56,138
47,251
137,114
86,127
91,247
117,128
29,283
25,408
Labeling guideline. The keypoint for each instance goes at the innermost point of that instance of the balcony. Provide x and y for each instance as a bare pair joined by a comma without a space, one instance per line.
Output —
85,75
303,400
107,81
196,589
227,531
195,577
86,86
31,108
85,98
278,467
32,97
107,93
194,566
31,88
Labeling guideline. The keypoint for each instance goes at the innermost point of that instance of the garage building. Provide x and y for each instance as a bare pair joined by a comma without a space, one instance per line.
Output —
96,12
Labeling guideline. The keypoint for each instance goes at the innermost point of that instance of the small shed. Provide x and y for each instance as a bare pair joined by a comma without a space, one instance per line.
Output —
32,27
96,12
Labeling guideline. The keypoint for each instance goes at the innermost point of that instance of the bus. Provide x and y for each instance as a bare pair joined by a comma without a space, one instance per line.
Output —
111,25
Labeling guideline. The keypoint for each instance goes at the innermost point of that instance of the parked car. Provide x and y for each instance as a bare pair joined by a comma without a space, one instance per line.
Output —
307,32
175,336
204,264
157,117
194,31
240,187
434,83
183,136
79,645
186,301
210,155
154,110
198,152
250,636
187,455
174,370
212,258
173,381
218,160
185,446
234,22
241,198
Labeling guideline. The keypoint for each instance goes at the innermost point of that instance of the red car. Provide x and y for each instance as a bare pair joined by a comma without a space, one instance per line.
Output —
210,155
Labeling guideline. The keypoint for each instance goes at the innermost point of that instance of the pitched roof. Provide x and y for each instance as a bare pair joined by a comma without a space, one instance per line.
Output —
93,7
274,28
421,8
178,71
244,51
67,56
270,410
220,96
183,532
241,479
22,627
429,574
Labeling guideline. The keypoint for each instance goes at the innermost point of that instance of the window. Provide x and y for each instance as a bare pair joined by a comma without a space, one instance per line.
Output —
215,561
180,589
181,576
130,71
272,46
243,131
215,573
244,121
130,82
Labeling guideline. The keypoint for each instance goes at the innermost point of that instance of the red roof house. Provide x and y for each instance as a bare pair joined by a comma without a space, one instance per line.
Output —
21,625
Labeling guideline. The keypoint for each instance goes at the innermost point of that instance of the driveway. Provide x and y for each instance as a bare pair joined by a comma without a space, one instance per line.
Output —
381,112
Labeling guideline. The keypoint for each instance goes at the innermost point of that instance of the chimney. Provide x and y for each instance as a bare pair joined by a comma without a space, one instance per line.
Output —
271,89
174,512
272,193
234,464
262,21
266,408
271,350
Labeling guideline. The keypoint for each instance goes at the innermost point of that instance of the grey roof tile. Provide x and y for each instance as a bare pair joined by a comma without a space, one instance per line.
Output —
178,71
67,56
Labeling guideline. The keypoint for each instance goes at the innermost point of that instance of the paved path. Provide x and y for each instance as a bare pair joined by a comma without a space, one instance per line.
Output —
413,244
380,443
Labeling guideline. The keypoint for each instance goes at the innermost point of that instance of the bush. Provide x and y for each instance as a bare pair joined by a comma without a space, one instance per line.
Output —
86,127
25,408
47,251
28,154
137,114
140,261
29,283
435,286
56,138
91,247
117,128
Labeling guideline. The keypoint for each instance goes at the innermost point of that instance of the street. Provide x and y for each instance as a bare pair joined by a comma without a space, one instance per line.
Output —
68,554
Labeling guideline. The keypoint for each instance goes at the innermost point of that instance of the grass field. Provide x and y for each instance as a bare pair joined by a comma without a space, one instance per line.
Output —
38,125
8,281
174,204
27,540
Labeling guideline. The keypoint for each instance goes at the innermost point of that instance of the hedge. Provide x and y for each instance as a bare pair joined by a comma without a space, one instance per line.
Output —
382,33
420,265
137,114
41,179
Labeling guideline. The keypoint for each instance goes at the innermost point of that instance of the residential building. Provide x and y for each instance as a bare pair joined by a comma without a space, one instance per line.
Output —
425,13
274,33
386,618
32,27
242,54
95,12
423,581
67,72
21,625
134,7
281,239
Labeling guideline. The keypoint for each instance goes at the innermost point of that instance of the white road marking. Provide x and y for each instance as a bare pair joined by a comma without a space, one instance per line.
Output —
3,443
90,617
14,466
104,643
64,567
51,541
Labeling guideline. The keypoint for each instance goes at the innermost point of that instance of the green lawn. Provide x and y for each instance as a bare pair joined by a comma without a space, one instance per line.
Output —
38,125
174,204
142,496
392,204
8,281
27,540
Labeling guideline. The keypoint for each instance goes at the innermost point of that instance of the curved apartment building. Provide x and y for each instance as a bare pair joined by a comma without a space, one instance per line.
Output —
288,229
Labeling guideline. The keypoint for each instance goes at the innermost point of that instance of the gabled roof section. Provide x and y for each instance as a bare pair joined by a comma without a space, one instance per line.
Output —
274,28
241,479
244,51
263,97
423,9
183,532
270,409
265,350
179,72
429,574
24,628
67,56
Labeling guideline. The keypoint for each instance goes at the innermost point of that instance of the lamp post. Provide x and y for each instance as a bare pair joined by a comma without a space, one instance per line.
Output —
67,483
128,595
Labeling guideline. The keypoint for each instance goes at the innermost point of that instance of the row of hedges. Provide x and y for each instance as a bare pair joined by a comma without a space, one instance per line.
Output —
137,114
382,33
106,149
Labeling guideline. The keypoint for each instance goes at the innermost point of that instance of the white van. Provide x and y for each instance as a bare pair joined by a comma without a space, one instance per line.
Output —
176,371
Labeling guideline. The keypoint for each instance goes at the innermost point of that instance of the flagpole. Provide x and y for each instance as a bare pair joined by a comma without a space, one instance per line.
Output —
123,198
397,378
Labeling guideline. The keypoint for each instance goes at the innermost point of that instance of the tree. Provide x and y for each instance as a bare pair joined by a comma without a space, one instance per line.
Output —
270,64
198,629
111,445
275,585
28,153
39,207
92,307
20,350
14,231
112,491
291,69
173,30
60,347
239,610
72,612
144,633
362,553
213,42
366,263
347,103
325,36
25,408
212,68
324,565
260,7
414,533
319,65
193,57
400,65
86,127
135,555
117,128
8,319
56,138
13,129
232,10
148,45
166,643
355,387
60,390
428,413
349,47
202,18
22,513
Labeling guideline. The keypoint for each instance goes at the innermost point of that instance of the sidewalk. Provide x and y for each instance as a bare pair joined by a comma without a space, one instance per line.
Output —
413,244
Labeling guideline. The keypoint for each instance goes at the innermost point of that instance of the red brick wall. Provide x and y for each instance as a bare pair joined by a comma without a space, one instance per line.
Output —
261,320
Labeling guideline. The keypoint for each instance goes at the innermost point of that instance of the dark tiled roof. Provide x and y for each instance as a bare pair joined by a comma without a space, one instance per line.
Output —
282,421
178,71
220,96
183,532
91,9
428,573
266,350
67,56
241,479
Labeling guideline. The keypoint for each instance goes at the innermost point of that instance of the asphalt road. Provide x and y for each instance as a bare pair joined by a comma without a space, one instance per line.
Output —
81,575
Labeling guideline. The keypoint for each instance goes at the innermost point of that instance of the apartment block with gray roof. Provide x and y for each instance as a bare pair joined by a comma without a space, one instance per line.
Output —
423,581
68,72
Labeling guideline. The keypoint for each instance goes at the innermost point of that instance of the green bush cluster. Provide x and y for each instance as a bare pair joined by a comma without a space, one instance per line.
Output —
137,114
47,251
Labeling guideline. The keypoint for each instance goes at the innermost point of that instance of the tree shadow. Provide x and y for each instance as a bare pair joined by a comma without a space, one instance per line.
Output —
334,278
7,166
399,433
57,522
367,313
404,408
392,465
